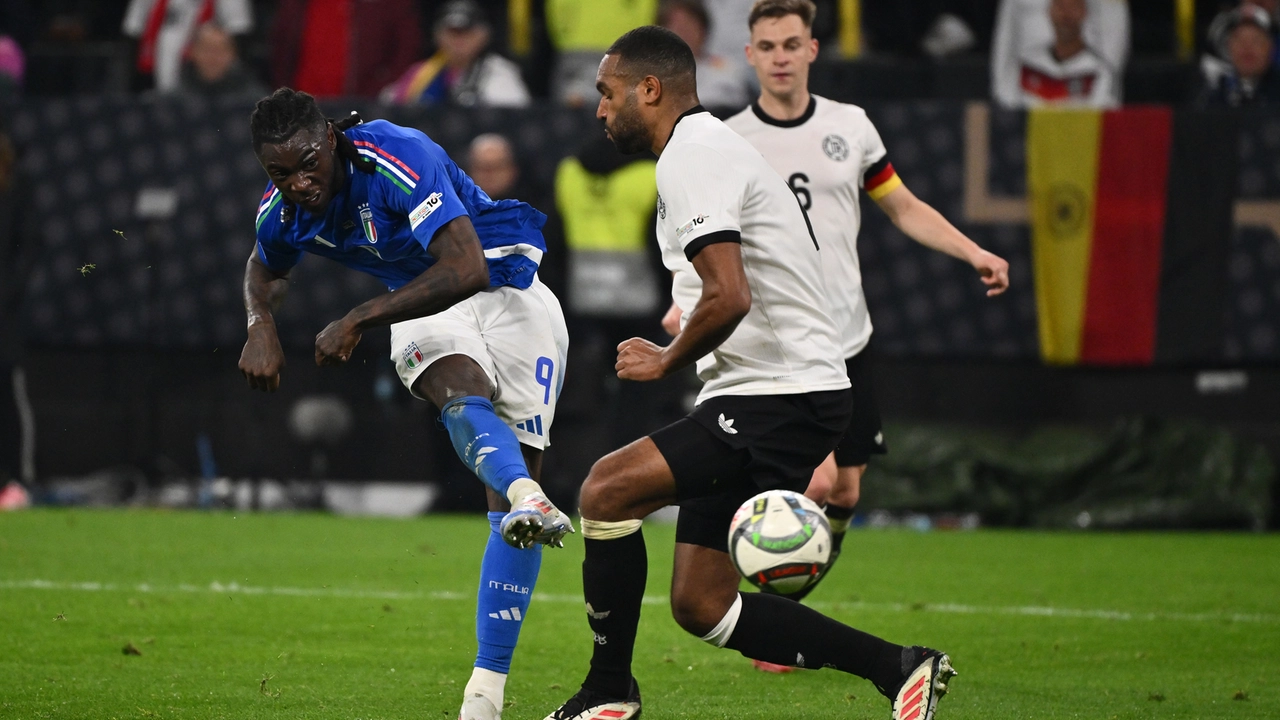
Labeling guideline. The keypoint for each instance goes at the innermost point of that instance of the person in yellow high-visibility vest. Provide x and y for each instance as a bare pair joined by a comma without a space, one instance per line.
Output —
580,30
607,203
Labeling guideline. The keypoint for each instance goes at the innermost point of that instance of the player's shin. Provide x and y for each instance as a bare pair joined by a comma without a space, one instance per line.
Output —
613,578
778,630
507,579
487,446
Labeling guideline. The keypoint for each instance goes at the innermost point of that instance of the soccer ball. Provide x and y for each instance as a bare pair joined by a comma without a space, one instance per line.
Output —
780,541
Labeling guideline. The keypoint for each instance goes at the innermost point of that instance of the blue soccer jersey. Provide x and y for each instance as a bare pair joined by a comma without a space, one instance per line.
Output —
382,222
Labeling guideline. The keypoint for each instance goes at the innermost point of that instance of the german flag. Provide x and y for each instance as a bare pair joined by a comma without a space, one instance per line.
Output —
1131,216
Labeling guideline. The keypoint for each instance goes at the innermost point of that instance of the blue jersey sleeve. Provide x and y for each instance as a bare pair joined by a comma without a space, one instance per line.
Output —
274,252
414,181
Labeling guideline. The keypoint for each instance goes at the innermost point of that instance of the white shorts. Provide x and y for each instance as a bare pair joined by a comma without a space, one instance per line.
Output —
519,339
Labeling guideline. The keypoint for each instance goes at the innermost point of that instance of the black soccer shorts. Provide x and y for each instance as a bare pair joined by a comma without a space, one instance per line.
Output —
731,448
864,437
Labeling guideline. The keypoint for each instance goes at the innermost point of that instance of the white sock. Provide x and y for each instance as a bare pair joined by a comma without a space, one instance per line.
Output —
486,683
521,489
723,630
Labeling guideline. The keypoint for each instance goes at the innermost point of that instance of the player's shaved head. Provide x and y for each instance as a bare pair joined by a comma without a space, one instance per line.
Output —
646,79
656,51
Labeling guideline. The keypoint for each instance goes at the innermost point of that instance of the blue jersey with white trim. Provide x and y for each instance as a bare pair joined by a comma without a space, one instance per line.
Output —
382,222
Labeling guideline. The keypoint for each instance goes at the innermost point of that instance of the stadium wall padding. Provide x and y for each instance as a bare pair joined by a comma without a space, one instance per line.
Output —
112,277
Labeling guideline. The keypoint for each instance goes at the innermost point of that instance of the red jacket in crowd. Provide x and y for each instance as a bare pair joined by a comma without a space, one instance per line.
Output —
343,47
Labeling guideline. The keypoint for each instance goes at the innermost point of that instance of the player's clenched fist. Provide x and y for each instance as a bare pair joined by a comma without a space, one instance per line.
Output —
640,360
335,343
262,359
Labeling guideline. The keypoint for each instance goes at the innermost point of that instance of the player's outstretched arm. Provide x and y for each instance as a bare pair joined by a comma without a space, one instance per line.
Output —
459,272
262,357
725,300
926,226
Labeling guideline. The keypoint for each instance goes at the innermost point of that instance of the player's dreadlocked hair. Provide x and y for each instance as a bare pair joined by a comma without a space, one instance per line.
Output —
284,112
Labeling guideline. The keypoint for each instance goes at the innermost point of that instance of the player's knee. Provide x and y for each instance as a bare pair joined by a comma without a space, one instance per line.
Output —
819,488
822,481
697,614
849,496
848,487
453,377
601,497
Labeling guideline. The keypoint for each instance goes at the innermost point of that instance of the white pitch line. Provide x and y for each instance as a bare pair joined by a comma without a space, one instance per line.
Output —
233,588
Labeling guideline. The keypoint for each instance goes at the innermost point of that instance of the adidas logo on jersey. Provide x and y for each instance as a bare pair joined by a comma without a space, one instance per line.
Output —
512,614
532,425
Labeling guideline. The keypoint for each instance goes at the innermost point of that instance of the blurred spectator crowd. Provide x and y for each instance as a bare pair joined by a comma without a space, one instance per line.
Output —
514,53
508,53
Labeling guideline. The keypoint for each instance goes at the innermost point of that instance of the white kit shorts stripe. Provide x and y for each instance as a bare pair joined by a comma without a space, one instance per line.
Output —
519,339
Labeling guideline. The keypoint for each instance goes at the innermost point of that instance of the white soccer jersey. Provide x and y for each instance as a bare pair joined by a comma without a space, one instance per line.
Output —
1084,80
712,187
1023,29
826,156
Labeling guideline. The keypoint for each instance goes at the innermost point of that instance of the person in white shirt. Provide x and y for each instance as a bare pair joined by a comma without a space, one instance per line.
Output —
830,153
774,402
164,29
722,82
728,31
1059,52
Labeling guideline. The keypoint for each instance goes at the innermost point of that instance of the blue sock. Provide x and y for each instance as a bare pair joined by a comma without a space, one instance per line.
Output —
507,577
485,443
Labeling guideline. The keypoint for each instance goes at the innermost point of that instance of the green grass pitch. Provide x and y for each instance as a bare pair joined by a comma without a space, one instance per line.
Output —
313,616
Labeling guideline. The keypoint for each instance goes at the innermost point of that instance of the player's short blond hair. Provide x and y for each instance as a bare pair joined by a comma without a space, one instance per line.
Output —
805,9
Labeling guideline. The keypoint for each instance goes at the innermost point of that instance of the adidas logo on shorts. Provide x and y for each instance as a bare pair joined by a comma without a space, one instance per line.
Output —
532,425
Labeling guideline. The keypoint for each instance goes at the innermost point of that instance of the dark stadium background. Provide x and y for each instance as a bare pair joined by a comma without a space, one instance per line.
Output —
133,322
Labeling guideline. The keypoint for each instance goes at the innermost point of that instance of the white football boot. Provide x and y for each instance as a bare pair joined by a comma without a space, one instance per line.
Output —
478,707
535,520
917,698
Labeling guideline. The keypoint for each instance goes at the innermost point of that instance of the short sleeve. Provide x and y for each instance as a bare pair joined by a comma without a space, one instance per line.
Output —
415,184
699,202
274,252
878,178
